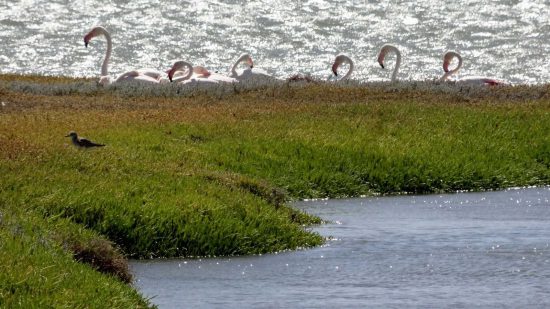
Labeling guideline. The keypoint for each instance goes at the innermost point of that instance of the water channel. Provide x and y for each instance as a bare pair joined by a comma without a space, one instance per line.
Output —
489,249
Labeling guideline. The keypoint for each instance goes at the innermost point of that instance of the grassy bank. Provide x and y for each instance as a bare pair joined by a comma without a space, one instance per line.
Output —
206,173
40,265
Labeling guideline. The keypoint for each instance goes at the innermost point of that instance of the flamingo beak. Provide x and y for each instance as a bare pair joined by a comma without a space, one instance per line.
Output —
87,39
381,58
446,66
335,69
170,74
251,63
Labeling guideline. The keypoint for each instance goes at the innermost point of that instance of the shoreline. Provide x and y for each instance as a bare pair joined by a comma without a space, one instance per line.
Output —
185,173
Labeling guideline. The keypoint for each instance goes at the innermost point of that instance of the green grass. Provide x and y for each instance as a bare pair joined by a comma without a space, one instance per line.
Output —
39,265
153,208
195,174
391,148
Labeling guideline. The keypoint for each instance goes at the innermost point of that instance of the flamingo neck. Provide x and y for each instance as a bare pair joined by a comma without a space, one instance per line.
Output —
234,68
351,67
445,76
105,65
187,76
397,64
455,70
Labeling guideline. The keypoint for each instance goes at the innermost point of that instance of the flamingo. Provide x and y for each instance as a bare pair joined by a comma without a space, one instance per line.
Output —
473,80
192,75
144,75
216,76
197,72
250,72
340,59
383,52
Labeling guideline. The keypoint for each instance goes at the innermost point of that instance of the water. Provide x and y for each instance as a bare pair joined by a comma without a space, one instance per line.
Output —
464,250
507,39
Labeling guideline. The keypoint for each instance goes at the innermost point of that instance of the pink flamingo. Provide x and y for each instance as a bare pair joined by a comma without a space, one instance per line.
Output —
143,75
250,72
196,72
383,52
474,80
339,60
191,75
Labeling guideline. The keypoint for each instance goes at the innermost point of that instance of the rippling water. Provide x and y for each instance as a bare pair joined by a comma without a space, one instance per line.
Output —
507,39
465,250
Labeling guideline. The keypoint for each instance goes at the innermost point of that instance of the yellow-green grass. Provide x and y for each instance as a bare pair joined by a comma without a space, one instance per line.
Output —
207,173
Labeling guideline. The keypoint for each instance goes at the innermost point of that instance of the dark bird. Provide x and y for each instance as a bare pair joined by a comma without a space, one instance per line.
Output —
82,142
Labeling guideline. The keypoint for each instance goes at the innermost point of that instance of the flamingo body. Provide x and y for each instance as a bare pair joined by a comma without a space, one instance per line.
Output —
197,75
142,75
470,80
250,72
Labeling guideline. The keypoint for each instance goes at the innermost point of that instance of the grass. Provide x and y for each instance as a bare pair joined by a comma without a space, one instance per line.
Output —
402,147
39,265
208,172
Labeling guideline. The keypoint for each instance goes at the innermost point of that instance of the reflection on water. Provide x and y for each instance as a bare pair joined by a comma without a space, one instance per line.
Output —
467,250
507,39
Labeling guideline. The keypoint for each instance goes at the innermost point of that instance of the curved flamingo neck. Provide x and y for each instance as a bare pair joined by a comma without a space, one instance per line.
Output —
105,65
457,55
234,68
180,65
397,62
387,48
445,76
397,65
452,55
351,67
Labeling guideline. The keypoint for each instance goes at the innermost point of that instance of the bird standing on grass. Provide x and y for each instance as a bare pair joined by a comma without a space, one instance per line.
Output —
82,142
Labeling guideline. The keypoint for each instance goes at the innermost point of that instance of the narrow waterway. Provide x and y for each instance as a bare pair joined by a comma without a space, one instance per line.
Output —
467,250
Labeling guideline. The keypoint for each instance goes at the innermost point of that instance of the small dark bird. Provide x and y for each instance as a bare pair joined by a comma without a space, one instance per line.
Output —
82,142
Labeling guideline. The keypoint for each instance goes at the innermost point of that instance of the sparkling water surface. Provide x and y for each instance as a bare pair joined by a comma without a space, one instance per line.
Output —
506,39
467,250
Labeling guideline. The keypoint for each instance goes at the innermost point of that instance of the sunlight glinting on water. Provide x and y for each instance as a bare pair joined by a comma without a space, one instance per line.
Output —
507,39
484,249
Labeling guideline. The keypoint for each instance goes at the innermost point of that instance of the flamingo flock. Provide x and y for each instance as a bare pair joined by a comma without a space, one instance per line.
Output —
183,72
